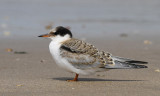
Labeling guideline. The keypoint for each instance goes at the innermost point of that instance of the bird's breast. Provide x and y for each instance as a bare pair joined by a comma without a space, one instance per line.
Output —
55,50
61,62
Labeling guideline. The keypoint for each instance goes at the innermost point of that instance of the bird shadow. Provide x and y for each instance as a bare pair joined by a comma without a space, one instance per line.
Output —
92,79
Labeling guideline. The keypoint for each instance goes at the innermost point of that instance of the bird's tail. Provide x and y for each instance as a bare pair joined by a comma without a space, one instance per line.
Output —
125,63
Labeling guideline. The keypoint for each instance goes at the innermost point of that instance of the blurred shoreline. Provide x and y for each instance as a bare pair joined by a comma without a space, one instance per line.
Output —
126,28
28,18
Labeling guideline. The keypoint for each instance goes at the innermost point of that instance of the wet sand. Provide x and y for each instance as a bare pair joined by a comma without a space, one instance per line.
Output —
101,22
36,74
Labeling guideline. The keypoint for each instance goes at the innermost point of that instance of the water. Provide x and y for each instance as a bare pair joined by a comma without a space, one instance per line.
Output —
28,18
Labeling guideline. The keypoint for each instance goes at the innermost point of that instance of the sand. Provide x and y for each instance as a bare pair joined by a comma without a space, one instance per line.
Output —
127,28
36,74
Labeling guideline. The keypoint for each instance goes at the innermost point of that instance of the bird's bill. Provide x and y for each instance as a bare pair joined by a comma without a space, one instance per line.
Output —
44,35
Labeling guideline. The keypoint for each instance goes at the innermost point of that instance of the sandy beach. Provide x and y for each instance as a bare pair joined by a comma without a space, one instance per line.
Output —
36,74
126,28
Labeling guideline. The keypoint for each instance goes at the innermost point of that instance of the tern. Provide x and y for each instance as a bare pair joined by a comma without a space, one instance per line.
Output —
80,57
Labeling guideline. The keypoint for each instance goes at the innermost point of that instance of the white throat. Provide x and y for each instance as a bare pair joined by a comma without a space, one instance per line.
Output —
55,49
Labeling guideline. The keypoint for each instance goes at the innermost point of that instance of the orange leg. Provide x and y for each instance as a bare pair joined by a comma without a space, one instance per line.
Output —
75,78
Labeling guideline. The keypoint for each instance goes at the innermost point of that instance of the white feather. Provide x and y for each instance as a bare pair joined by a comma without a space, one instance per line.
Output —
62,62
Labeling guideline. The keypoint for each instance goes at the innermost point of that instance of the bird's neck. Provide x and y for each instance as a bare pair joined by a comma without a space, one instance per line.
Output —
60,39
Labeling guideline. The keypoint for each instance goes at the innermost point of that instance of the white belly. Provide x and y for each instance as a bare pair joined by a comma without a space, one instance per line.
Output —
62,62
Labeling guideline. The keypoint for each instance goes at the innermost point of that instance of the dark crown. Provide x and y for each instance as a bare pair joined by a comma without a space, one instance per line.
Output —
60,30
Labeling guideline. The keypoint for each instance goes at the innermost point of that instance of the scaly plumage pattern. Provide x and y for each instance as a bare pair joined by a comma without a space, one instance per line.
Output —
83,55
83,58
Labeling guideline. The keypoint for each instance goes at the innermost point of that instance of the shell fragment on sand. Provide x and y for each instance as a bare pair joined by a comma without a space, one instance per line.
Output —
147,42
157,70
9,50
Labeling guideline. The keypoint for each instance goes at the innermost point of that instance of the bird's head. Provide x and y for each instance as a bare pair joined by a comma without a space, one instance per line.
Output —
58,33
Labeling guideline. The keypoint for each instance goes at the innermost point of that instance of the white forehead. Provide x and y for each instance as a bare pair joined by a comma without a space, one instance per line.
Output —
53,30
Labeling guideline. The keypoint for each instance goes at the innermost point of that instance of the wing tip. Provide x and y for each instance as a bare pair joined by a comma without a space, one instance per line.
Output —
141,66
137,62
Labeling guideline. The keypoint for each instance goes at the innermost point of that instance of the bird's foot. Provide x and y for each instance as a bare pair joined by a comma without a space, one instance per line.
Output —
75,79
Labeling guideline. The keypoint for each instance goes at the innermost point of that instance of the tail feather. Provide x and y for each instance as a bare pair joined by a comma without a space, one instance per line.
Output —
127,60
125,63
137,62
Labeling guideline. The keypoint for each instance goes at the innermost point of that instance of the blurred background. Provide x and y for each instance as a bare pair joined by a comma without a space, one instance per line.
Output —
126,28
86,18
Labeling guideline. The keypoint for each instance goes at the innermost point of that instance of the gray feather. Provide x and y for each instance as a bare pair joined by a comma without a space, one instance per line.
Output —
83,56
123,65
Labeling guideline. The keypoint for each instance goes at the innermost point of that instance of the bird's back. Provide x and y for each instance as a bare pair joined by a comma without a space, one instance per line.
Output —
84,55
